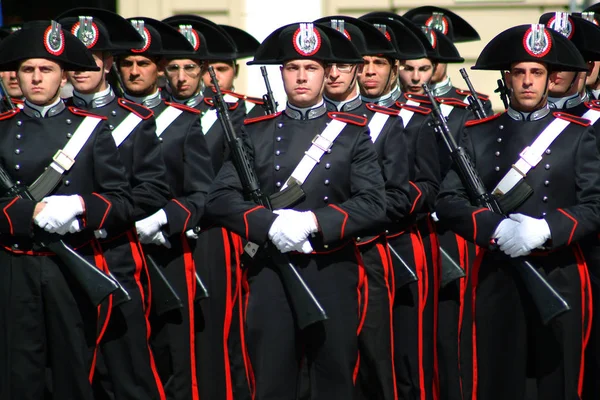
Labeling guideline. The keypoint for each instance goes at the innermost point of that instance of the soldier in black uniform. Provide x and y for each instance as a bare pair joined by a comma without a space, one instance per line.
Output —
376,379
548,227
344,197
47,320
220,360
188,174
130,369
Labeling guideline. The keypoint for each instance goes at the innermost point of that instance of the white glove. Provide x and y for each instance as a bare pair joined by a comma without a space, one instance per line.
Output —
504,230
531,233
150,226
158,239
305,247
291,229
58,213
191,234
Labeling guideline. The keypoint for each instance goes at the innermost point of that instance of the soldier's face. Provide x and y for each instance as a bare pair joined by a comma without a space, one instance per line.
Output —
140,75
184,76
88,82
528,81
341,81
378,76
303,81
414,73
225,73
563,83
9,78
593,74
40,80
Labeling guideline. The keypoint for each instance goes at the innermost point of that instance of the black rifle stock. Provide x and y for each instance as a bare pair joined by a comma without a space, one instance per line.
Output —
270,103
547,300
405,275
164,297
117,83
305,306
97,285
474,101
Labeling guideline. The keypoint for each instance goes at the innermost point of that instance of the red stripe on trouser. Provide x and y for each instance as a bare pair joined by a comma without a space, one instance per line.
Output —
421,268
384,254
138,258
474,281
228,313
586,314
463,258
436,263
391,277
148,296
100,263
190,278
363,304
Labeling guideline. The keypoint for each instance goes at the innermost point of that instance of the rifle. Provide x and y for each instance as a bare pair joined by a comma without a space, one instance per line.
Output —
164,296
270,105
305,306
475,103
503,91
547,300
7,101
116,81
405,276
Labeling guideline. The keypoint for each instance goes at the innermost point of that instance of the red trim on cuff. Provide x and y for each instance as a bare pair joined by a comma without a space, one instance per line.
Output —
189,214
109,206
246,219
5,209
574,224
417,198
345,218
475,222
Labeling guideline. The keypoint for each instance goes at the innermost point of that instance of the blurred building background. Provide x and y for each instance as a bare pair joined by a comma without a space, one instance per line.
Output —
260,17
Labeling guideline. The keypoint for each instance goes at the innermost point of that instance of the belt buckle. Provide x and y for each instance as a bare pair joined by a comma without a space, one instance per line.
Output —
63,160
531,159
317,141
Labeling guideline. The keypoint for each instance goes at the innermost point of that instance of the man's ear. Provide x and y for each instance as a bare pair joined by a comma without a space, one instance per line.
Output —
63,79
108,60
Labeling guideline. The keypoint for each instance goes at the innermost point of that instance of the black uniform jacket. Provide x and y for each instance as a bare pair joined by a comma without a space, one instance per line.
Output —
345,190
140,152
27,146
566,183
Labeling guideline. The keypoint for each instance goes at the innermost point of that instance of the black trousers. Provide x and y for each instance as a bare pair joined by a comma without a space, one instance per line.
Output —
173,333
45,321
414,318
376,379
510,342
220,366
591,388
127,362
277,347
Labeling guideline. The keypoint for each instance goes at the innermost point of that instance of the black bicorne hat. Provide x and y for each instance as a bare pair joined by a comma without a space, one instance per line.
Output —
160,39
450,24
446,50
306,41
217,44
100,30
530,43
367,39
592,13
45,39
583,34
245,44
410,41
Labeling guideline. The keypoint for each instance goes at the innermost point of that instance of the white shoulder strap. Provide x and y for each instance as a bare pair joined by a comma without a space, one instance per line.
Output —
376,125
446,109
124,129
407,115
165,119
208,120
321,144
592,115
249,106
530,156
64,159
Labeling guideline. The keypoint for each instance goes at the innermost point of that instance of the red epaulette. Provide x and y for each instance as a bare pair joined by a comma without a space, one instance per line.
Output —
240,96
85,113
594,105
419,98
572,118
452,101
462,92
417,109
261,118
384,110
183,107
230,106
9,114
481,121
348,118
138,109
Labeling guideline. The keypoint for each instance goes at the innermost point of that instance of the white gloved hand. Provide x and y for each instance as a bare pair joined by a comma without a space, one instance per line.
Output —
158,239
191,234
531,233
291,229
58,213
305,247
148,227
504,231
